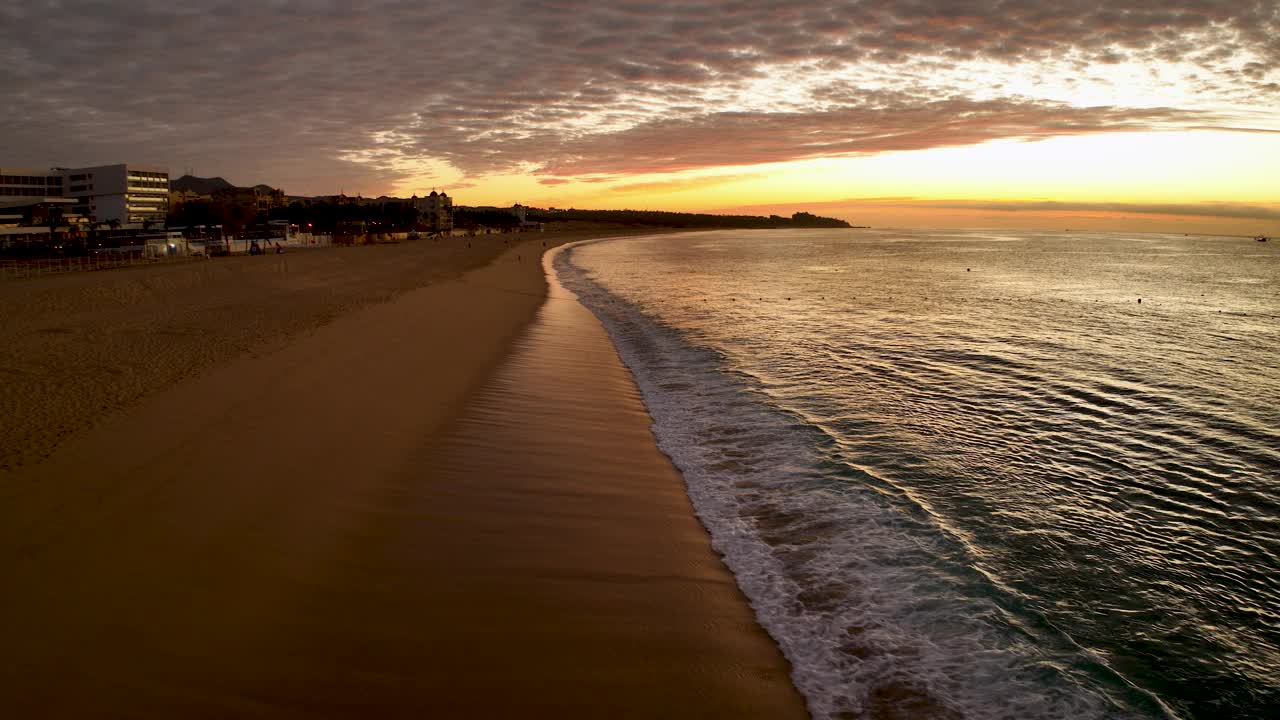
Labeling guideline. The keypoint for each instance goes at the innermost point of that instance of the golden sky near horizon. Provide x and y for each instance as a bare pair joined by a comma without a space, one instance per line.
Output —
1165,177
1147,114
998,183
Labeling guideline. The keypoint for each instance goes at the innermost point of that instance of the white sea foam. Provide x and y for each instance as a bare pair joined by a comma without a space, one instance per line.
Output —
874,604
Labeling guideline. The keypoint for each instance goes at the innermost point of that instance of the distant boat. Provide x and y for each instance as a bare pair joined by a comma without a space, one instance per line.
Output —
1260,238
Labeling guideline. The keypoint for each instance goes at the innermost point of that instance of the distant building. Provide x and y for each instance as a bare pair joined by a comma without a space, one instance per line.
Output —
27,218
268,198
31,200
180,197
436,211
517,211
339,199
127,194
260,198
24,183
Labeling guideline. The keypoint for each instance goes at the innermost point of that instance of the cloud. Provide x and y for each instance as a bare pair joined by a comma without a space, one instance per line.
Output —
1263,131
680,184
310,94
757,138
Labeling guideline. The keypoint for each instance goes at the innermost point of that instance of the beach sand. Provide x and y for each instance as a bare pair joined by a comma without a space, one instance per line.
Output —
408,488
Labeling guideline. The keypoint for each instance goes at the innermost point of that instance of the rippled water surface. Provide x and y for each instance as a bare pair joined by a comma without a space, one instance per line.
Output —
969,474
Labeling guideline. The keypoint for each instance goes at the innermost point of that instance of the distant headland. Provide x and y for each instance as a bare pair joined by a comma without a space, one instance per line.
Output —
661,218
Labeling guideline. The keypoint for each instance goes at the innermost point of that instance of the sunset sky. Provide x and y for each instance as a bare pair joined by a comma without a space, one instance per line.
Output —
1147,114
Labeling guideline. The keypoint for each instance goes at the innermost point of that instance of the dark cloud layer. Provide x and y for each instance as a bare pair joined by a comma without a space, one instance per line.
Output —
302,93
753,138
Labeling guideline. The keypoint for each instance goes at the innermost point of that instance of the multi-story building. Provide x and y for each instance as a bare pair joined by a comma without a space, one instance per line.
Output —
128,194
20,182
32,198
436,210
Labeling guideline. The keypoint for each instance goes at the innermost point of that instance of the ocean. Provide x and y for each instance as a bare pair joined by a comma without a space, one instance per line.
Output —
976,474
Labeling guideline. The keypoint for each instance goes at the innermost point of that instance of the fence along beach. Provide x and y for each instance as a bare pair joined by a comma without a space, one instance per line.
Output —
384,497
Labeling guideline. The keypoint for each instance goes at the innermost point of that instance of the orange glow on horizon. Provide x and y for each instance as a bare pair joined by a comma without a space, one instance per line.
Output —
1140,169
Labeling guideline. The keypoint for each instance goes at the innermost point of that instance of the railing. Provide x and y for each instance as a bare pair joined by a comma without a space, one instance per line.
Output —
18,268
11,269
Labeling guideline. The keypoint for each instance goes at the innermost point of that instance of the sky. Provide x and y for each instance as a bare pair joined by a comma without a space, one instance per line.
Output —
1145,115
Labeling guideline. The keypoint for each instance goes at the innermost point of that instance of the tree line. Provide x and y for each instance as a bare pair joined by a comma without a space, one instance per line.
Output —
661,218
316,216
400,216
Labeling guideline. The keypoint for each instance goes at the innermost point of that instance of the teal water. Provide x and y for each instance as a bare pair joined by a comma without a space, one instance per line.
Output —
969,474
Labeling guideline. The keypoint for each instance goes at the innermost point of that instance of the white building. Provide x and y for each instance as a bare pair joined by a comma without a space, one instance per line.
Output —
128,194
436,210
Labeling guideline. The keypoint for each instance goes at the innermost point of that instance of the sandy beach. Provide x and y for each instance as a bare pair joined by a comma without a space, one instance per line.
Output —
381,481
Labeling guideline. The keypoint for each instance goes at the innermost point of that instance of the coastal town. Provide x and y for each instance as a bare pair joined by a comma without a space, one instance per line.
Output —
131,211
68,218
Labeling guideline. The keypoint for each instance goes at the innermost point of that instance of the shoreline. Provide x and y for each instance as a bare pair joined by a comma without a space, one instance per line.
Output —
299,531
82,347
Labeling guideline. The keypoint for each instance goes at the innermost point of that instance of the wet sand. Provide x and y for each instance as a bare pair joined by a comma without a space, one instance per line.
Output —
78,348
426,507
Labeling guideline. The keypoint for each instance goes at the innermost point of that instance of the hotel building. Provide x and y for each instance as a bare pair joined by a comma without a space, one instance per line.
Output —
436,210
23,183
128,194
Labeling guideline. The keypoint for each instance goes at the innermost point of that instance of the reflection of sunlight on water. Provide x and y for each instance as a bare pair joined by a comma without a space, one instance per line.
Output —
1023,398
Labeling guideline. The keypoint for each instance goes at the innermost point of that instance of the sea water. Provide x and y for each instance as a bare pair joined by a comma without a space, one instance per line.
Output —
976,474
